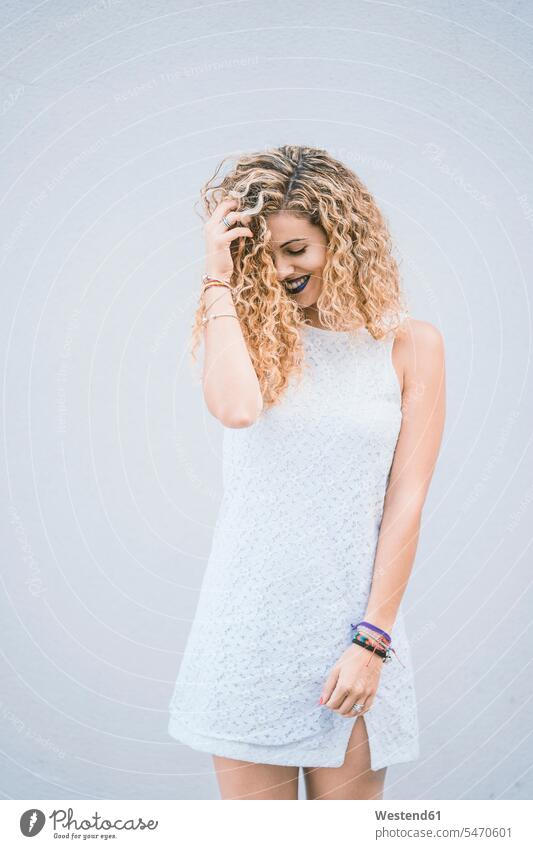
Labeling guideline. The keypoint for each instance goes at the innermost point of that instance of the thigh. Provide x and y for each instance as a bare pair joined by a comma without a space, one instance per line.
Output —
246,780
354,779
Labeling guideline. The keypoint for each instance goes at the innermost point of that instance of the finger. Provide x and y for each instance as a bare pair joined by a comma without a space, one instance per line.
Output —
337,697
329,686
234,216
234,233
368,704
349,702
223,207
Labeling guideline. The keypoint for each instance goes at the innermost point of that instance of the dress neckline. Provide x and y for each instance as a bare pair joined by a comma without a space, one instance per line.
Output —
320,331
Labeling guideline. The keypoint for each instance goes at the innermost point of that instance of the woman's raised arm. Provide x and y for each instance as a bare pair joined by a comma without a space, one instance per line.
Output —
231,388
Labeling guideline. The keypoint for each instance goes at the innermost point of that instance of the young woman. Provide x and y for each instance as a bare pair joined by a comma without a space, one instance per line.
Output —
333,404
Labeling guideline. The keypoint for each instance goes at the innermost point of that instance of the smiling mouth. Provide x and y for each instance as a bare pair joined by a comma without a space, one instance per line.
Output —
297,284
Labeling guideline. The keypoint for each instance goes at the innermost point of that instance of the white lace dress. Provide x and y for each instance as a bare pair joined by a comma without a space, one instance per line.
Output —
290,569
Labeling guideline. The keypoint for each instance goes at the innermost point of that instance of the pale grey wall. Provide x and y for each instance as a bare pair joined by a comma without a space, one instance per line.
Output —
114,114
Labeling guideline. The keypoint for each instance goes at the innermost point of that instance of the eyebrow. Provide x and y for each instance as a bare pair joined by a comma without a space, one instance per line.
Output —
299,239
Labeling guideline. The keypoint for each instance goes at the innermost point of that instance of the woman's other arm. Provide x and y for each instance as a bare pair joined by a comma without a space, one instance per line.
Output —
421,357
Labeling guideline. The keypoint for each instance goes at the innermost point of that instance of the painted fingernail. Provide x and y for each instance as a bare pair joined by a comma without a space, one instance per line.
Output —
320,701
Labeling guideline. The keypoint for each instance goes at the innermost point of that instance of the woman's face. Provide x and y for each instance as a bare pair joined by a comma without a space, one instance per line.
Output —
299,252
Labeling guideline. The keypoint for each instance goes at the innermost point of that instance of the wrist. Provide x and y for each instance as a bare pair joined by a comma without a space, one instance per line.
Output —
213,293
386,623
370,658
225,276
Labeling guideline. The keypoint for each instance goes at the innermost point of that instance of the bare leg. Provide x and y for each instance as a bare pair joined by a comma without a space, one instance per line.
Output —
354,779
245,780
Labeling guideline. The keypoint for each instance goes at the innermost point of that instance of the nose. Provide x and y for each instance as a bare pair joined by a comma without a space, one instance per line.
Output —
283,269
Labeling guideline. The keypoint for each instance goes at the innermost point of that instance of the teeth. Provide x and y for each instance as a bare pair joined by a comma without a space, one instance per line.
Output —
293,284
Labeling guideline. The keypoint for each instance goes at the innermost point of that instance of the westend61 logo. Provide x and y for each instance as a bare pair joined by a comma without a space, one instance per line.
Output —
33,820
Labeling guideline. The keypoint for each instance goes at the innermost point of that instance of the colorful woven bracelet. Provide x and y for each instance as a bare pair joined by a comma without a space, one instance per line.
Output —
381,642
362,641
368,641
378,642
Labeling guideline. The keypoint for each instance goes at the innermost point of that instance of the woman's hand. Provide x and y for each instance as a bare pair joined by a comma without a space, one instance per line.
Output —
219,262
352,682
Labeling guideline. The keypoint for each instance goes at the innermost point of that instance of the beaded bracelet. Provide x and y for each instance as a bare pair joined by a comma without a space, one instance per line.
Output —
380,644
365,643
381,641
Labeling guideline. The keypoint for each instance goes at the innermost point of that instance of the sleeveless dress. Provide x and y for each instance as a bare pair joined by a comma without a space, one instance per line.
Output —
290,568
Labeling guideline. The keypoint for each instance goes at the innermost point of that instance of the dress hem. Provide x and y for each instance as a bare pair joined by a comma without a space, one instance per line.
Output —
255,753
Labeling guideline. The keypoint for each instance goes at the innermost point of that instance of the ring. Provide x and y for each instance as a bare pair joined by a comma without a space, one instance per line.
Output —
225,221
357,707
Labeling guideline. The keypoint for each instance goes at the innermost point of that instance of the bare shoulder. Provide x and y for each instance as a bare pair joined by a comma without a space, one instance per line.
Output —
420,337
418,351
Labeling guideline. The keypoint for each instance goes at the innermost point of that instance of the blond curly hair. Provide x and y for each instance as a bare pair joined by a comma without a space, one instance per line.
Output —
360,280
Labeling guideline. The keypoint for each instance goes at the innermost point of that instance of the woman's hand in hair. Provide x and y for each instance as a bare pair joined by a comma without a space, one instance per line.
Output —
218,238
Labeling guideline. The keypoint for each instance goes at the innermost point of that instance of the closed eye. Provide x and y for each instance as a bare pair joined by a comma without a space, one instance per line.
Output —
293,253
